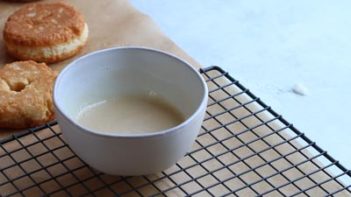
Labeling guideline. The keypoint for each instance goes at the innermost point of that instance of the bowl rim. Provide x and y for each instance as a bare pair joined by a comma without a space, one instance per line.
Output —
198,110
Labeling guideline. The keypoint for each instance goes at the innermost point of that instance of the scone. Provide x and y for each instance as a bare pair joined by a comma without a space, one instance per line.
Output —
26,94
45,32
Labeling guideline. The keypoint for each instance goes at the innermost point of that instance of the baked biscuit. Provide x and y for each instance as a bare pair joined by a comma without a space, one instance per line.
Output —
26,94
21,0
45,32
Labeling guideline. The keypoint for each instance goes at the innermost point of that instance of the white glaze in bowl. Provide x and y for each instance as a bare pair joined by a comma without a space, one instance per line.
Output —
130,70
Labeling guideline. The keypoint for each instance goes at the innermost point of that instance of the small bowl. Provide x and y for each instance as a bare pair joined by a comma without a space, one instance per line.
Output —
108,72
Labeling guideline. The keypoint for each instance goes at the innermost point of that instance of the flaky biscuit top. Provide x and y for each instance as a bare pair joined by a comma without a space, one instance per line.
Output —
43,24
26,94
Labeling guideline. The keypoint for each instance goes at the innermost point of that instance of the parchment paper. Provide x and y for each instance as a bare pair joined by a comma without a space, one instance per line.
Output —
112,23
117,23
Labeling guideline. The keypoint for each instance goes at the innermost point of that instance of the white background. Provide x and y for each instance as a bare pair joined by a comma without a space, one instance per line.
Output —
271,45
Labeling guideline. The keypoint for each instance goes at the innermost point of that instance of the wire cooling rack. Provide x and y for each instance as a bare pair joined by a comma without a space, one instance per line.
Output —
244,149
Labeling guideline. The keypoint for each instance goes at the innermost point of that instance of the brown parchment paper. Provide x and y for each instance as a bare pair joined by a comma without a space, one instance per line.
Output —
117,23
112,23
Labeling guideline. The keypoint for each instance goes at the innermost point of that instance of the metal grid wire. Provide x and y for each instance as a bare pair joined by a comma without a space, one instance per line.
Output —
243,149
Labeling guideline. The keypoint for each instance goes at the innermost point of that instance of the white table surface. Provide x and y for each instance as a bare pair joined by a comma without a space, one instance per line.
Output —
270,46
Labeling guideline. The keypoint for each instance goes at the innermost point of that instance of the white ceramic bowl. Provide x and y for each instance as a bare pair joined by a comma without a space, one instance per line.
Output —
108,72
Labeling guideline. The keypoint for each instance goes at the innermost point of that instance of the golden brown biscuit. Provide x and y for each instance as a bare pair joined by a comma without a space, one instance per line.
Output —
45,32
21,0
26,94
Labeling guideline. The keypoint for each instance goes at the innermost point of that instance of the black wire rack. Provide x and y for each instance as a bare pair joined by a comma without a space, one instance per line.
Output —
244,149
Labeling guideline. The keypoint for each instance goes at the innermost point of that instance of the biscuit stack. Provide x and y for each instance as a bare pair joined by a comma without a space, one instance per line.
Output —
36,34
